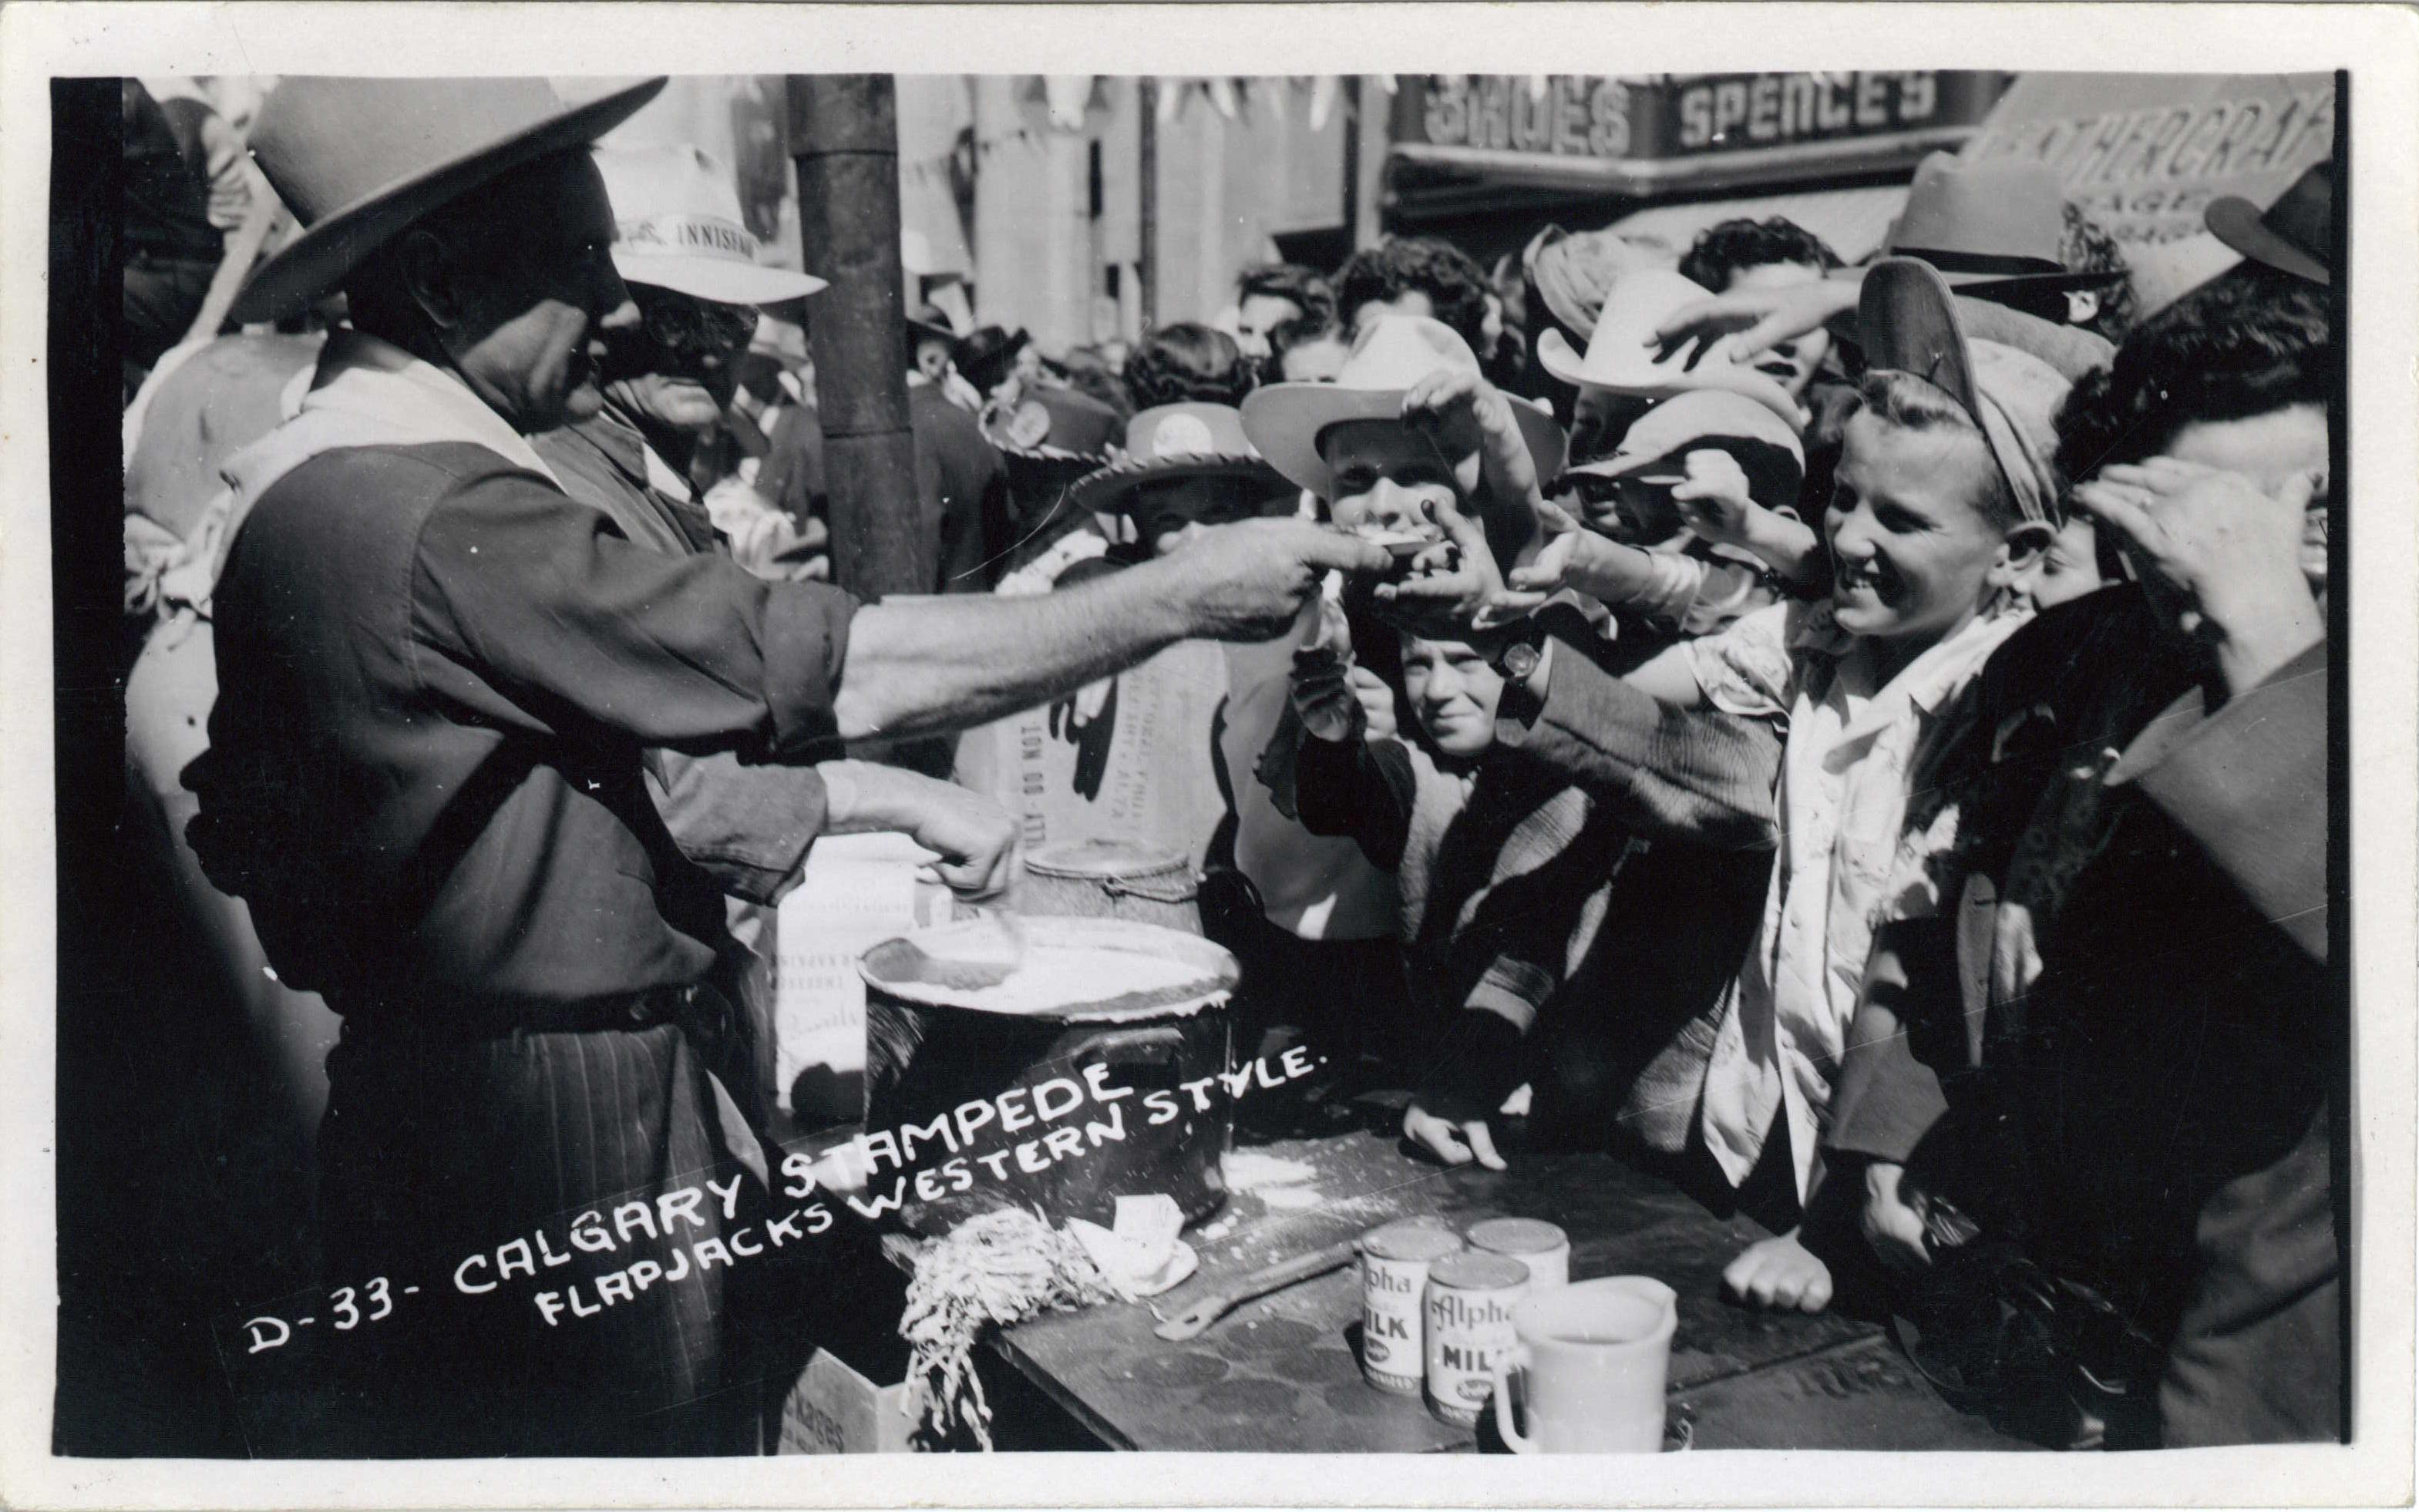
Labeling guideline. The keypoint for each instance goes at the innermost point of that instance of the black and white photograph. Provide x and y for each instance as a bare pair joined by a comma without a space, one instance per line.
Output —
959,759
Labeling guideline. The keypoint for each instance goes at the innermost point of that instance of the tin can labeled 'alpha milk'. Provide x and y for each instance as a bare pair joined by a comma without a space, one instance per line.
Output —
1541,1246
1394,1260
1469,1326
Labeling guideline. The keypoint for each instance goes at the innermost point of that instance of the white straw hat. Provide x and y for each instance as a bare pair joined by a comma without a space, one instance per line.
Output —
1621,355
1286,420
678,226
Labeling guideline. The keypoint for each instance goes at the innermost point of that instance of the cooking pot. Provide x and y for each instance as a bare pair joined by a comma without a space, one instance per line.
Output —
1113,880
1076,1097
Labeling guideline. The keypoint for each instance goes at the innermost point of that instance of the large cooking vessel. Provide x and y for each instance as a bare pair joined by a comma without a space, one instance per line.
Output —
1052,1069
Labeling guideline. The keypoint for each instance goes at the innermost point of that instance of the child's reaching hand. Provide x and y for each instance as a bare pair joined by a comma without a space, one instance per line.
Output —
1577,558
1323,694
1714,499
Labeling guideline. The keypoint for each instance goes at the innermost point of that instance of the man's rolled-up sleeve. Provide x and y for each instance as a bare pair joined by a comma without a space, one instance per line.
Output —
541,600
1665,772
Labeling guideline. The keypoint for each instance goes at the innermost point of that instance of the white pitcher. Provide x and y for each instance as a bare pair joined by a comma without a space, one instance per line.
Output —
1591,1359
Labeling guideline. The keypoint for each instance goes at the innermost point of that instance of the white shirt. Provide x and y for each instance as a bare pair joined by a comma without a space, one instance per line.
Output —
1854,753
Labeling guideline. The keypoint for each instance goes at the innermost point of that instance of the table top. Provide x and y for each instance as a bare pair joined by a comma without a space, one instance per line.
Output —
1280,1372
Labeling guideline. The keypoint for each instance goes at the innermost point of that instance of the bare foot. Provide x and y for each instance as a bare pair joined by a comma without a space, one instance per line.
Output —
1779,1272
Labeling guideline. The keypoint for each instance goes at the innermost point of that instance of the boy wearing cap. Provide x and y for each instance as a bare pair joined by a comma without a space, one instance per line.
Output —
1945,496
1691,523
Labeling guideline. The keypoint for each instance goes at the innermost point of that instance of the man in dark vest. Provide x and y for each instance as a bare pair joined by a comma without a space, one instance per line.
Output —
438,678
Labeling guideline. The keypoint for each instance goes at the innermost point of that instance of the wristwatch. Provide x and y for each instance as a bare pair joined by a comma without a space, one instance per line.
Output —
1517,661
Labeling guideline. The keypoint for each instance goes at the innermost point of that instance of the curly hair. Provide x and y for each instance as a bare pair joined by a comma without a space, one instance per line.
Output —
2249,343
1455,286
1188,361
2086,247
1727,248
1305,288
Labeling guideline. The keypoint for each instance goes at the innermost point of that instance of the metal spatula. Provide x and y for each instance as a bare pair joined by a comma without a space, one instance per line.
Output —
1195,1321
979,957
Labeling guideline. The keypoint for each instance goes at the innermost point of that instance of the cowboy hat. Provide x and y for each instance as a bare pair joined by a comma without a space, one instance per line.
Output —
1907,321
1988,223
987,347
2295,235
1179,440
1284,420
1573,274
1621,357
677,225
931,324
1766,446
356,161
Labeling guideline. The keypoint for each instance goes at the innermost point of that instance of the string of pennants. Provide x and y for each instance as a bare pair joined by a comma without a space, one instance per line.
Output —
1069,97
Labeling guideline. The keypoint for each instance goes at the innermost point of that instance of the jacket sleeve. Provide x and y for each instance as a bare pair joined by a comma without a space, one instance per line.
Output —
1666,774
1357,789
748,827
2249,785
1887,1097
533,609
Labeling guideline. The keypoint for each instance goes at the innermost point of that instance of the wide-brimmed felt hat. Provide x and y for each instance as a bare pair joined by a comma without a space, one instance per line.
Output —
357,161
989,343
677,225
2296,235
1181,440
1621,355
1657,443
1989,223
931,324
1907,321
1284,420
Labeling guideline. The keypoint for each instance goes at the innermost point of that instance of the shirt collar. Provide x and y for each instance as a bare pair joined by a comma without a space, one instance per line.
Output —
1928,682
358,370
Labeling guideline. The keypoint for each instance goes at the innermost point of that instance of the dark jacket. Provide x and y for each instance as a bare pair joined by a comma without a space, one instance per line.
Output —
2149,1111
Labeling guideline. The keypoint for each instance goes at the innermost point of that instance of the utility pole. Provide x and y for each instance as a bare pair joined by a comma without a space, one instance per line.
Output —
1146,221
844,130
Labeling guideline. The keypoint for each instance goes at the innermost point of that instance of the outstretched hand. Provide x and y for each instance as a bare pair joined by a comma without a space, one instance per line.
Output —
1754,320
1455,590
1448,404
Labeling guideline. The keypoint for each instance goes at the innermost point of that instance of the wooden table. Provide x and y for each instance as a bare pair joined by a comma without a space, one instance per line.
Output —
1280,1373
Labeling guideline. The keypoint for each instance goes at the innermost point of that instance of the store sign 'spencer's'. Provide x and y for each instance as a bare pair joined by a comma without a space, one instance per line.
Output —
1643,136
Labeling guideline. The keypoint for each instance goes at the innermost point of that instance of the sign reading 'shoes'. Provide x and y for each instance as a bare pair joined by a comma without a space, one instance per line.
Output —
1665,131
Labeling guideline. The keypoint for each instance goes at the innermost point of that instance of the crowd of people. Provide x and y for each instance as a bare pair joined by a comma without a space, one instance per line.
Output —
1849,737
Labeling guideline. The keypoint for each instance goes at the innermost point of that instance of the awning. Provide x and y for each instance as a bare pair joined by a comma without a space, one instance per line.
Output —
1852,220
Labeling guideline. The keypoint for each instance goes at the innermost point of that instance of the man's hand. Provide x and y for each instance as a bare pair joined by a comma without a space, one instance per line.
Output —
1248,581
1755,320
2220,555
1892,1219
1456,591
976,837
1457,1141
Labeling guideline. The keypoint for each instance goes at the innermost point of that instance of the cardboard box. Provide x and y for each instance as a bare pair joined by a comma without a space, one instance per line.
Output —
834,1410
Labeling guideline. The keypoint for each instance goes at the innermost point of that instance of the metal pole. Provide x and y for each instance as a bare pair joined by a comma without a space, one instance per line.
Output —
1147,250
844,128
